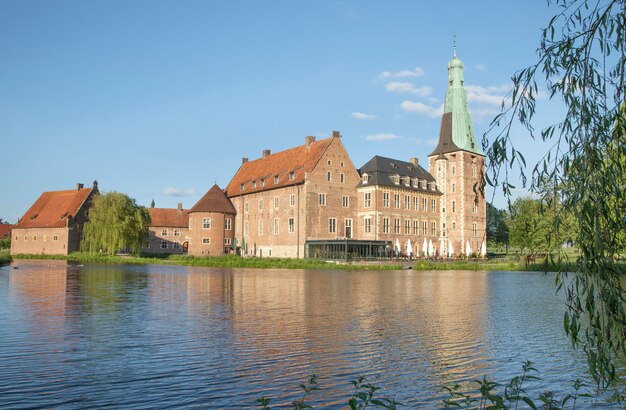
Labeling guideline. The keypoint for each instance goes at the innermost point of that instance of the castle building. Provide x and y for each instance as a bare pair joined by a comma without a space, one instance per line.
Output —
53,225
212,224
458,165
169,230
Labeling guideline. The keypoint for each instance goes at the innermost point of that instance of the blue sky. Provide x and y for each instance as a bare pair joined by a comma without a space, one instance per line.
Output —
162,99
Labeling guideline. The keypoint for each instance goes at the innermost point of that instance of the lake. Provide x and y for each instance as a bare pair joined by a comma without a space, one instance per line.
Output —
153,336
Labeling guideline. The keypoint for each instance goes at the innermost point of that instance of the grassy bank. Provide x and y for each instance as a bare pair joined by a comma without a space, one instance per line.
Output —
5,257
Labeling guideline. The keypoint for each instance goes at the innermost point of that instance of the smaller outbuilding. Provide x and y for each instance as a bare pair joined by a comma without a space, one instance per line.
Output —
212,225
53,225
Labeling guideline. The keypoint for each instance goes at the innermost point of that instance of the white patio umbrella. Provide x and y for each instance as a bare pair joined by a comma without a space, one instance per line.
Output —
468,249
397,246
425,248
431,248
483,249
450,249
409,248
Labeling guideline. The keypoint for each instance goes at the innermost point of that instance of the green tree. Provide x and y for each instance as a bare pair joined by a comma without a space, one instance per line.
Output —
581,62
497,228
115,223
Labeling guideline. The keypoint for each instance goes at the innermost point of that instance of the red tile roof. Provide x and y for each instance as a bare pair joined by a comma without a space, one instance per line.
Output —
168,217
261,172
215,200
52,209
5,230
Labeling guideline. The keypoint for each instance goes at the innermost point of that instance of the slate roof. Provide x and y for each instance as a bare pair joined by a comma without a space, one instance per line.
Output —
261,172
215,200
380,171
53,208
446,144
169,217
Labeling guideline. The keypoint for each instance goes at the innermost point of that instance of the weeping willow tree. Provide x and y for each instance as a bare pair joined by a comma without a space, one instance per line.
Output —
581,64
116,223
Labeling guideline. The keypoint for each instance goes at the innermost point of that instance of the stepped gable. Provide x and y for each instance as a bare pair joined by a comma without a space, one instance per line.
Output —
298,160
215,200
52,209
380,171
168,217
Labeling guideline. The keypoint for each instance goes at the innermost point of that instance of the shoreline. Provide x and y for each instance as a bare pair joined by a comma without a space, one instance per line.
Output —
232,261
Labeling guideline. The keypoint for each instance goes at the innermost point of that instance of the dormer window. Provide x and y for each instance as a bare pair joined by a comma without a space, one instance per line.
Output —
415,182
253,184
276,179
396,179
292,176
407,181
365,178
242,186
262,182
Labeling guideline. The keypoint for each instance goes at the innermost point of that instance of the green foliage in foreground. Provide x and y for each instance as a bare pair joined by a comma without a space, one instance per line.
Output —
484,394
5,243
5,257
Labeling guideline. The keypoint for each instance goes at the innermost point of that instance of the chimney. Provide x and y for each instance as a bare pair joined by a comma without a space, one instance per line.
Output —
244,160
308,140
336,134
266,153
180,206
79,186
414,161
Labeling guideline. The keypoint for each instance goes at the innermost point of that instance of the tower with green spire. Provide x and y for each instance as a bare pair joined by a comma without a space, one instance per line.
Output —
458,166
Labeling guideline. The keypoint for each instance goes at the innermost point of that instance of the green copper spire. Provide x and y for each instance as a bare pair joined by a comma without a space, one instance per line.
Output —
462,129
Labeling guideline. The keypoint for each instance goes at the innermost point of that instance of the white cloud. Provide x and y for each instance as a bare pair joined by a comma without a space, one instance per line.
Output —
178,192
479,114
382,137
362,116
422,109
417,72
480,67
492,95
408,88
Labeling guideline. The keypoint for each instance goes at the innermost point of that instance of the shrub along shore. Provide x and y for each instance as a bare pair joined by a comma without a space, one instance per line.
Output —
232,261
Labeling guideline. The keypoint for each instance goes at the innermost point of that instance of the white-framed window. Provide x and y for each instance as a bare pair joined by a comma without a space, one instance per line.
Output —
416,227
396,225
261,227
407,202
253,184
475,208
206,223
329,176
206,241
276,179
176,232
365,178
433,205
228,224
368,199
342,178
276,226
424,228
367,224
416,203
386,196
396,179
341,164
55,238
453,170
474,230
227,241
330,162
163,244
276,202
190,224
345,201
164,232
453,187
242,187
347,223
396,200
292,200
292,225
415,183
34,238
292,176
453,206
424,204
321,199
407,226
260,204
262,183
385,225
246,228
433,228
332,225
453,225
